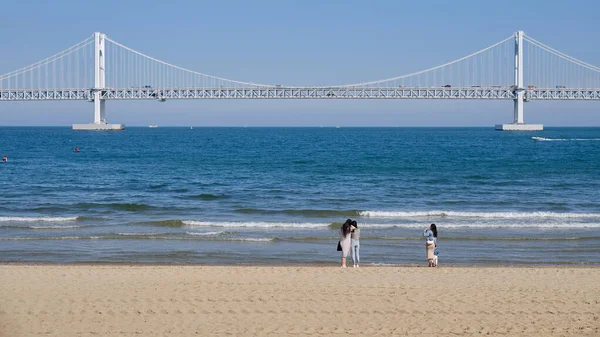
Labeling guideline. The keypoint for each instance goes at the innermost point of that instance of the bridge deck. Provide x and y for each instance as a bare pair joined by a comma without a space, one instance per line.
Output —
299,93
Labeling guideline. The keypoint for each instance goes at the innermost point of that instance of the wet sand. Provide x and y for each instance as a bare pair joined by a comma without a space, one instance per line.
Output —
159,300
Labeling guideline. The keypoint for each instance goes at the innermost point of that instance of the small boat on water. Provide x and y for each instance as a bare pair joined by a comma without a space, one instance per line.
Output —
152,126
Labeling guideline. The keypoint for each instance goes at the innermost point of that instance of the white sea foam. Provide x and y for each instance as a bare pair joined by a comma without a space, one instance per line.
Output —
551,222
499,215
251,239
543,139
446,225
501,222
140,234
55,227
290,225
382,264
24,238
205,233
36,219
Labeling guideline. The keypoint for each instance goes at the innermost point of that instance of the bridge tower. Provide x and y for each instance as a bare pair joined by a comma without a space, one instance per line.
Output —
99,78
519,90
99,86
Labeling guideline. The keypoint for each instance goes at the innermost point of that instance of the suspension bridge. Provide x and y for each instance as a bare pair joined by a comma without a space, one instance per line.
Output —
98,69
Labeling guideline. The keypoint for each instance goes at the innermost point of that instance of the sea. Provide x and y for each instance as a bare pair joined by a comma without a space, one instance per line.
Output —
277,196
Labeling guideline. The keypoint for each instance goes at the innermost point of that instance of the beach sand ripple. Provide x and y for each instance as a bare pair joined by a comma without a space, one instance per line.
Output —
80,300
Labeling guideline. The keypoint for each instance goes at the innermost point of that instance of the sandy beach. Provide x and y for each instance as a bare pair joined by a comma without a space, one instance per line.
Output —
84,300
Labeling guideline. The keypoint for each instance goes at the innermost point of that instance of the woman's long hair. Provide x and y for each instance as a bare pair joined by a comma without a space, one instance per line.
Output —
346,227
434,230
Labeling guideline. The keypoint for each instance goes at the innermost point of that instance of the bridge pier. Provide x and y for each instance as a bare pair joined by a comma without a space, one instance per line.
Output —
99,85
519,107
518,124
99,108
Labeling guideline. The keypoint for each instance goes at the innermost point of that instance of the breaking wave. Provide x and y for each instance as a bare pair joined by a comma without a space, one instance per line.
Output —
498,215
336,225
291,225
54,227
36,219
206,233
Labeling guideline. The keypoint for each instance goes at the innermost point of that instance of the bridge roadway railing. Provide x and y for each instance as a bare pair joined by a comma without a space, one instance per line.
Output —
162,94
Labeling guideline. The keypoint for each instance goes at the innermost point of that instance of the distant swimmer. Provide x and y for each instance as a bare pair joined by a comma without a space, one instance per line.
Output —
4,159
76,149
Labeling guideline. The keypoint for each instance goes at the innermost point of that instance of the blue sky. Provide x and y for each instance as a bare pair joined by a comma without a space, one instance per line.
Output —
298,43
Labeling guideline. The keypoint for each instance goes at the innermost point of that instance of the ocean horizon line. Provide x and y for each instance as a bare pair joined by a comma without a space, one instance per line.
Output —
306,126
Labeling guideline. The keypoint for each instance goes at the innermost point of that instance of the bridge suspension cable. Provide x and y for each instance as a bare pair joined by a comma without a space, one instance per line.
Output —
61,70
469,67
561,55
127,67
546,67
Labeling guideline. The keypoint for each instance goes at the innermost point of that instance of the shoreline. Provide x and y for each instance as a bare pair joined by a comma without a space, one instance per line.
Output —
298,265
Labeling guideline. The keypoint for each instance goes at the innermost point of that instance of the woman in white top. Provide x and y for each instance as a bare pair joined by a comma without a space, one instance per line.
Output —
345,240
